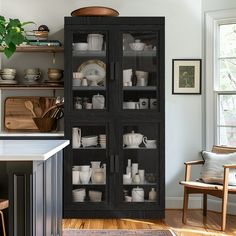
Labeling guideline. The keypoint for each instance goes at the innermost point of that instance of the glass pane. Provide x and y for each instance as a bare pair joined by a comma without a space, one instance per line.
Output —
227,74
228,40
140,163
227,110
227,136
140,70
89,70
89,175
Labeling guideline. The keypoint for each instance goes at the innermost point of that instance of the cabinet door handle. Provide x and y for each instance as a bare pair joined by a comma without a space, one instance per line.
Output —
112,164
112,71
116,163
117,67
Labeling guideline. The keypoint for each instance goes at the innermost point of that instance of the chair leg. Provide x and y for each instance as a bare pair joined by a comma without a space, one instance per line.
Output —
204,204
3,224
185,205
224,211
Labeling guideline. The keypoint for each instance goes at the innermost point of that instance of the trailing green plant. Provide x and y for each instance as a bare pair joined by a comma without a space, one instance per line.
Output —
12,34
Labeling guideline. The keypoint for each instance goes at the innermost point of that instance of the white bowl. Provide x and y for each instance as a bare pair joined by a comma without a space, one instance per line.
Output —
76,82
137,46
8,71
80,46
141,74
95,196
8,76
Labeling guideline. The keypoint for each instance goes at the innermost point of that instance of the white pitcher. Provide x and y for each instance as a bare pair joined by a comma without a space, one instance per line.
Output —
76,137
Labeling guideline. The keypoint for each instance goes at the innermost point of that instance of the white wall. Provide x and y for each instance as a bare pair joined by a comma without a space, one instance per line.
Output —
183,40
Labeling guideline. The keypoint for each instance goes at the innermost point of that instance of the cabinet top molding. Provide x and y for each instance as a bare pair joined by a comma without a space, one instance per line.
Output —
99,20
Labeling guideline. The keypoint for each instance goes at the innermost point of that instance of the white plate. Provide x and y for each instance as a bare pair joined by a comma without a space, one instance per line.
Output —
9,81
93,67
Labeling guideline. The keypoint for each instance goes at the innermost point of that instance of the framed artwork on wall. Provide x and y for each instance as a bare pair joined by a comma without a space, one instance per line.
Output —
186,76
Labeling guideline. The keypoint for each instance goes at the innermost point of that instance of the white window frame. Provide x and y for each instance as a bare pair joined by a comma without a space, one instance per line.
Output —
212,22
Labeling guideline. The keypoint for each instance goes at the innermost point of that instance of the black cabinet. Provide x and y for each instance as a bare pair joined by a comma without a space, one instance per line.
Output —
35,195
114,117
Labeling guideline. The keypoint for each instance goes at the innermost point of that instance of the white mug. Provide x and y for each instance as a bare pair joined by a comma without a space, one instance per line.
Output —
149,143
84,82
143,103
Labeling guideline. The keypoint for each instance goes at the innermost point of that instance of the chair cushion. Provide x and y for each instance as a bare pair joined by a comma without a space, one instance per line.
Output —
213,170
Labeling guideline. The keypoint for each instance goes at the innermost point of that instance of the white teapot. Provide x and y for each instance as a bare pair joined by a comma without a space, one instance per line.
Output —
132,140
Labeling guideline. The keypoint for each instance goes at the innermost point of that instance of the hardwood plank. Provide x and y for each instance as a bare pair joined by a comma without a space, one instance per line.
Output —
196,223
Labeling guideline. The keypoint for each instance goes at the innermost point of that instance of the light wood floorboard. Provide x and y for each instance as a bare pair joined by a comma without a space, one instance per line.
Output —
196,223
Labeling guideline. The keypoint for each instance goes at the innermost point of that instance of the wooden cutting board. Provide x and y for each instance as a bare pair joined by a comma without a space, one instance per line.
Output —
17,117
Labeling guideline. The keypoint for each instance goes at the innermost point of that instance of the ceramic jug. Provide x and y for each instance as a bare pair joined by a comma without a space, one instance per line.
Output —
137,194
76,137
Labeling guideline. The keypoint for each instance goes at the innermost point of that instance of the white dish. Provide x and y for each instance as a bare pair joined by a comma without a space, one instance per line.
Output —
8,81
137,46
93,67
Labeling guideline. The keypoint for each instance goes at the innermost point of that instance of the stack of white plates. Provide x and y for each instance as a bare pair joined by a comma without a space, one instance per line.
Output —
88,141
78,195
8,76
102,140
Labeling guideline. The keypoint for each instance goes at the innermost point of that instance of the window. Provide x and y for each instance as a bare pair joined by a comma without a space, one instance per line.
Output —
220,78
225,84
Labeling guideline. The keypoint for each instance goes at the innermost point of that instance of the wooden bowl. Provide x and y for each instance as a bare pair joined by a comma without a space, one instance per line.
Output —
95,11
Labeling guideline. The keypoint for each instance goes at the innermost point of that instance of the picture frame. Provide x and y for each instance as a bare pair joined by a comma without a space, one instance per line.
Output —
186,76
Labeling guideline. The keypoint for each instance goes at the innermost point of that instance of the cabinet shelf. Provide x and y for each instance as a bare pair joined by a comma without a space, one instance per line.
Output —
89,148
46,49
141,148
140,88
144,184
150,53
89,88
89,53
89,184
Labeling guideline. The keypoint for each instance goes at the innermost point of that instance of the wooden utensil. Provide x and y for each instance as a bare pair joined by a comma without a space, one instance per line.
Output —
51,108
30,106
38,110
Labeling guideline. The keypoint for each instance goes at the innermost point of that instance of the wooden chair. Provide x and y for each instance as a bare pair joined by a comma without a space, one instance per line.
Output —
3,205
196,187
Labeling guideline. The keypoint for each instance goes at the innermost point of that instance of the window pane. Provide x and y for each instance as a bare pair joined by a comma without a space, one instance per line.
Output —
227,74
227,136
227,110
228,40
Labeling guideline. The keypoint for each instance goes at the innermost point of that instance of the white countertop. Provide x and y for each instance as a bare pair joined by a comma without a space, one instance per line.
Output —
30,150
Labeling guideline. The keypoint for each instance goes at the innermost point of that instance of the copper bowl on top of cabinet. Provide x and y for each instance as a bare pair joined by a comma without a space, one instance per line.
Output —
95,11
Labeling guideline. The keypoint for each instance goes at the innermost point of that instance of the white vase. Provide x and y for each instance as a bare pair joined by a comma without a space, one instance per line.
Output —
152,195
76,137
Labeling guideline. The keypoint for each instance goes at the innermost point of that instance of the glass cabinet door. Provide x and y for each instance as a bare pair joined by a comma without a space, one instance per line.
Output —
89,164
89,70
139,162
140,70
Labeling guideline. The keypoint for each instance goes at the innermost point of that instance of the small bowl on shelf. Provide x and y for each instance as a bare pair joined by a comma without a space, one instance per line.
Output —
137,46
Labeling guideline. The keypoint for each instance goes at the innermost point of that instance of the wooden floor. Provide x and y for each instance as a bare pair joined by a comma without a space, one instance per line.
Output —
196,224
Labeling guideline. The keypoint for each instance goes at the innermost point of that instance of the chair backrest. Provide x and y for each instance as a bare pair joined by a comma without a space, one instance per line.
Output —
223,149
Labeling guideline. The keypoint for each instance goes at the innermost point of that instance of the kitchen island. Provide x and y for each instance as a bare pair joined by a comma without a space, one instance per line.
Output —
33,172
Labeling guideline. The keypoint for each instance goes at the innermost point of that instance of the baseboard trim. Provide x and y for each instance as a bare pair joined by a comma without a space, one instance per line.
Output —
196,203
177,203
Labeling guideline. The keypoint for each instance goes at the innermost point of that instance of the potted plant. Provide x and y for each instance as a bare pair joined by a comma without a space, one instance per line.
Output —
12,34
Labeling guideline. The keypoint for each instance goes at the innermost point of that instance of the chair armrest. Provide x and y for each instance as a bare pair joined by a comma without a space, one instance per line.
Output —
197,162
230,166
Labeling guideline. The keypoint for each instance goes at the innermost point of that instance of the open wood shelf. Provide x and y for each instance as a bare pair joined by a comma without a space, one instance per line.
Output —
30,87
28,48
